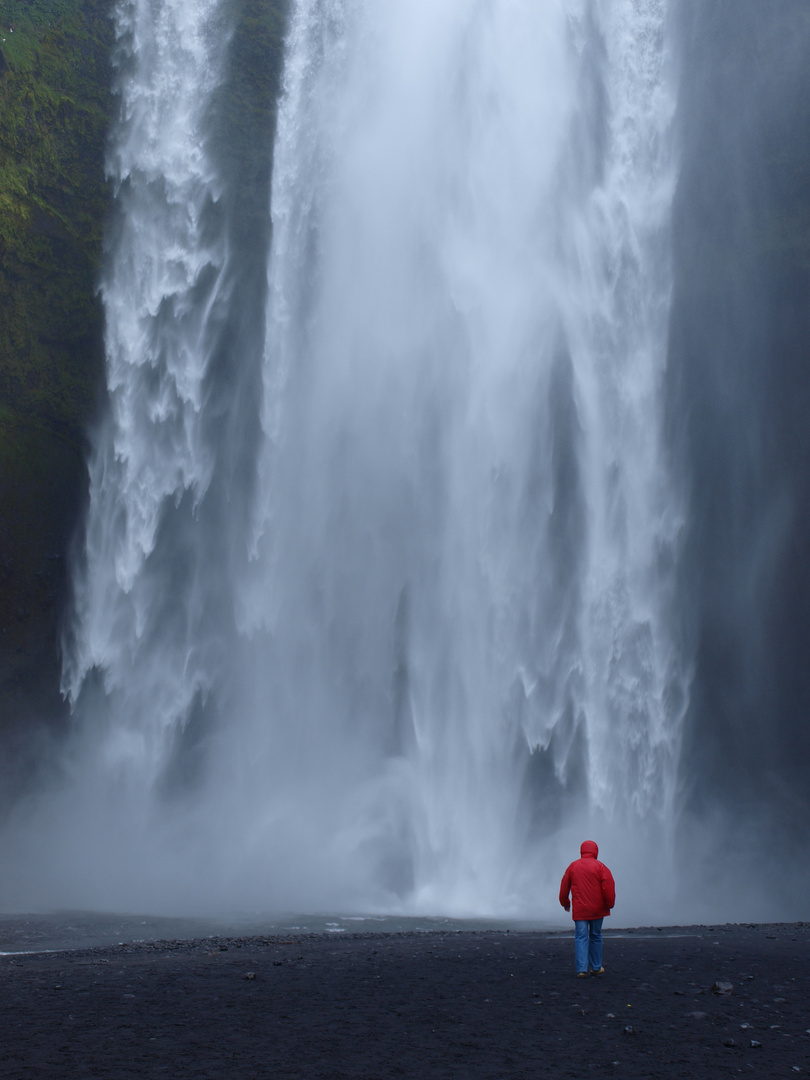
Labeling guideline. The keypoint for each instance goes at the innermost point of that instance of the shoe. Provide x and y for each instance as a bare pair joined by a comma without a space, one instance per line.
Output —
582,974
598,971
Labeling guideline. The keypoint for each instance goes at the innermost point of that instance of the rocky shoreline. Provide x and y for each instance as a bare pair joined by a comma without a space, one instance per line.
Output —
674,1002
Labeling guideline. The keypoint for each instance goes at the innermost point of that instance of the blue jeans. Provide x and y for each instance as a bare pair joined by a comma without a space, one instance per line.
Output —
588,944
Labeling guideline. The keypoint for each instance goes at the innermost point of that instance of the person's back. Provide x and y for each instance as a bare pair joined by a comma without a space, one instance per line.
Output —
593,894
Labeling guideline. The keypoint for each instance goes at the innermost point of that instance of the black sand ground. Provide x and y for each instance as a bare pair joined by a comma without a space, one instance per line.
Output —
460,1005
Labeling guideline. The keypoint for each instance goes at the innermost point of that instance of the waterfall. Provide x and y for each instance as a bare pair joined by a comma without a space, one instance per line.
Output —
375,608
467,533
143,599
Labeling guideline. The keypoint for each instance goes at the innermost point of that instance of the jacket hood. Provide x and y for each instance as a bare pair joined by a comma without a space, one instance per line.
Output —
589,848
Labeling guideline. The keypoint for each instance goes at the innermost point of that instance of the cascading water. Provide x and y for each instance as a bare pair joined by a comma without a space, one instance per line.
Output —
163,296
466,532
398,646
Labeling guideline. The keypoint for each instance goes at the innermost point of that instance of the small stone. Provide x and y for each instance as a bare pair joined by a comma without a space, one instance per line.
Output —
729,1042
745,1027
755,1045
629,1030
721,988
250,974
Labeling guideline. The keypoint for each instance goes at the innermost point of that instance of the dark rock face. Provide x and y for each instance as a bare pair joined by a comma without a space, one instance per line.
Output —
738,394
55,101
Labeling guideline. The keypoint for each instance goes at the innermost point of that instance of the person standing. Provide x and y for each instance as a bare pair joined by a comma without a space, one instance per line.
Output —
593,894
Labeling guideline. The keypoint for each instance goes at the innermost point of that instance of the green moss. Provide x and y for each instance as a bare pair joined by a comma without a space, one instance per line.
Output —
54,112
55,102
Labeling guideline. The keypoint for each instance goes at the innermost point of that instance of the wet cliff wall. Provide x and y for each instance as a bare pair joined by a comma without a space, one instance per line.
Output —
739,400
55,103
57,100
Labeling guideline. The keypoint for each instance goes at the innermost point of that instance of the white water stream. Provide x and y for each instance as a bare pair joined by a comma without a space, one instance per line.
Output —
435,646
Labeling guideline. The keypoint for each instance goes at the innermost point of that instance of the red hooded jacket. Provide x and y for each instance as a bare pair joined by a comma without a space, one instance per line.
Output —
591,885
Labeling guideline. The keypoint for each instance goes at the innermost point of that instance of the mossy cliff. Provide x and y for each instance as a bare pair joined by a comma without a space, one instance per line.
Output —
56,106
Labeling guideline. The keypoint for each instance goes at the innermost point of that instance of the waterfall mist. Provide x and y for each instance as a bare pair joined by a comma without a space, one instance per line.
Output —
405,542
